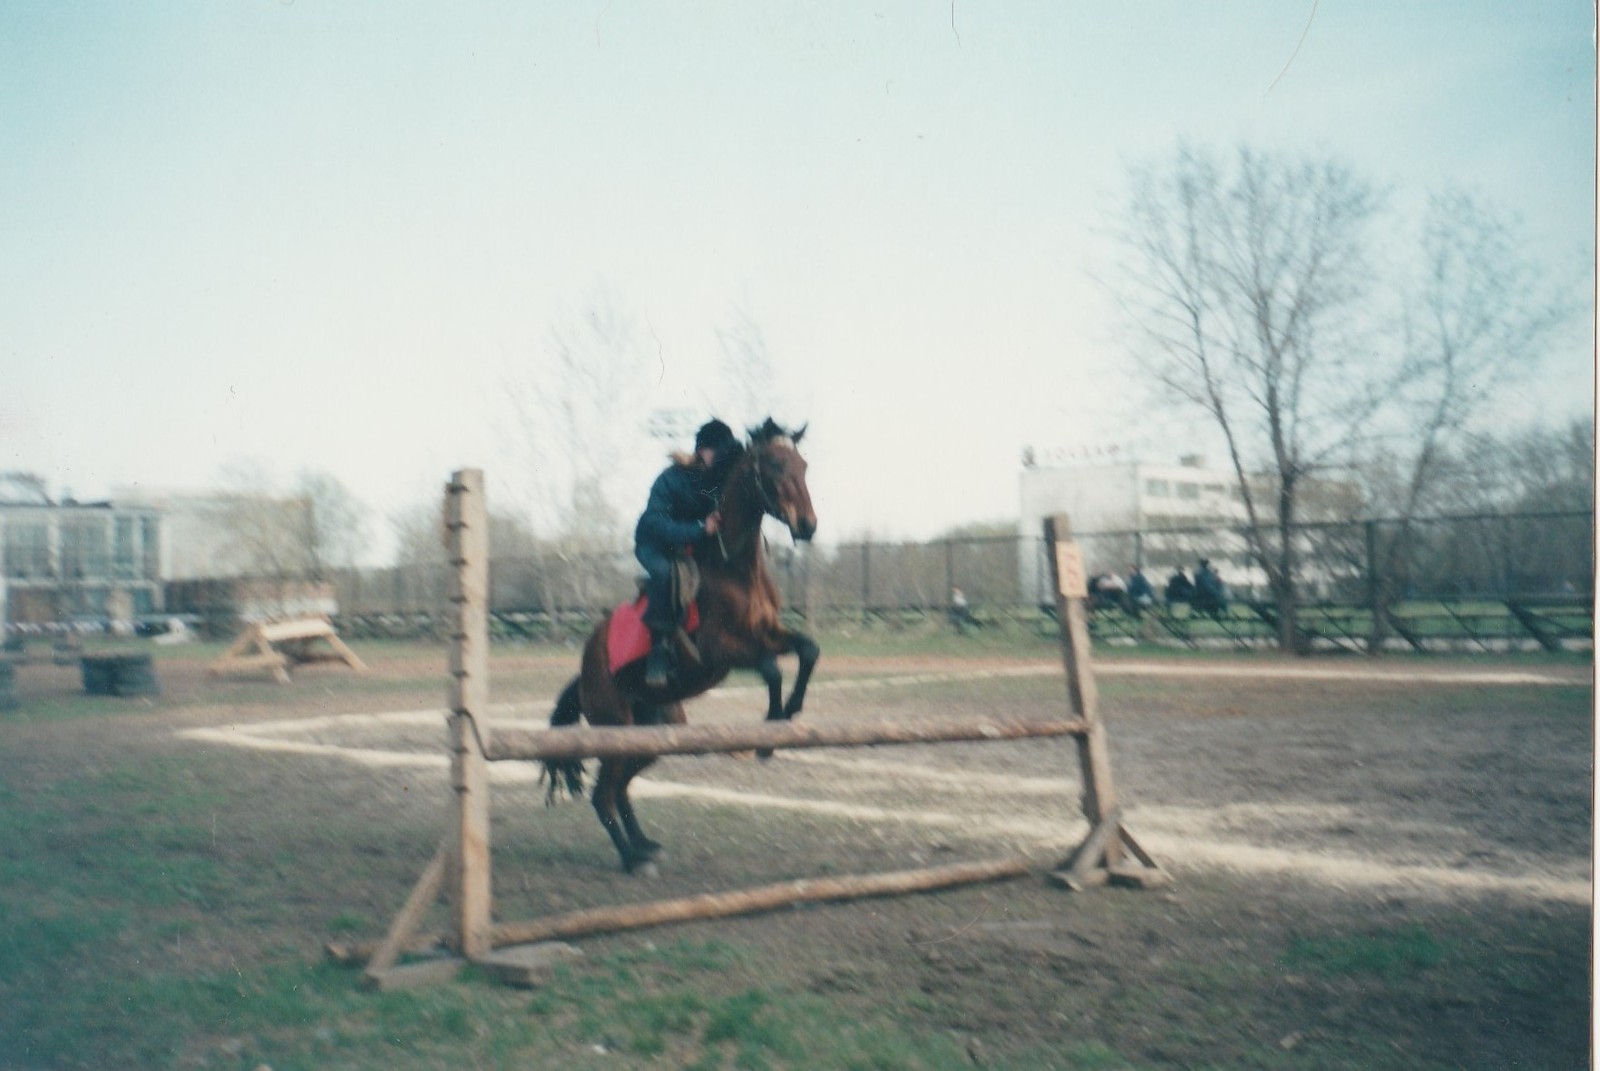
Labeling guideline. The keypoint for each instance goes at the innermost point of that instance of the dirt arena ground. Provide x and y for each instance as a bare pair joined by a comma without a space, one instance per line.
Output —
1375,864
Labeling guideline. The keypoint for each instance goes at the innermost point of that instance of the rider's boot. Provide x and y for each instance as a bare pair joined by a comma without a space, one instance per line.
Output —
658,667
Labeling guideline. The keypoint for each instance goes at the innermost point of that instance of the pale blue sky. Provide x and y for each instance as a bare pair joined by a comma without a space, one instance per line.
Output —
319,234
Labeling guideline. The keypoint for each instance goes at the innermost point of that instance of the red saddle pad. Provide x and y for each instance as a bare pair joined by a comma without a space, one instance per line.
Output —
627,637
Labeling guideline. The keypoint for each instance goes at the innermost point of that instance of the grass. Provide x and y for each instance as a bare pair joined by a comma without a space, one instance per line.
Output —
1391,955
109,874
657,1004
1115,635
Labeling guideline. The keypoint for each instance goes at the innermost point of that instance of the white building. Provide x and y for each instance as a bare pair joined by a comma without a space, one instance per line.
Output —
198,544
75,562
1131,496
1119,511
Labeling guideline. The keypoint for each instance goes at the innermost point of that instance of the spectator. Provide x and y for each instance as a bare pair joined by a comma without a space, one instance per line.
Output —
1141,595
1179,588
1106,591
1210,593
960,612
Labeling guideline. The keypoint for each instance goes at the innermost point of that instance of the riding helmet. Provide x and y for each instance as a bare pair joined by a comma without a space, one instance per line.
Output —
717,435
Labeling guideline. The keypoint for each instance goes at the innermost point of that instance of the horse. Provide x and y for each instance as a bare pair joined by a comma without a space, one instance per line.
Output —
738,606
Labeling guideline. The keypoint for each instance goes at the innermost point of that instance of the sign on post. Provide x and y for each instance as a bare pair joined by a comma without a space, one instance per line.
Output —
1070,577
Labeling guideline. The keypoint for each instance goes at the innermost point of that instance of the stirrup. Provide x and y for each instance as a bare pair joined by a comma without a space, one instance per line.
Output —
686,648
658,664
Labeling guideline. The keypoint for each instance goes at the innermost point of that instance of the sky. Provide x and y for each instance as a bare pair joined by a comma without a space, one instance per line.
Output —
337,236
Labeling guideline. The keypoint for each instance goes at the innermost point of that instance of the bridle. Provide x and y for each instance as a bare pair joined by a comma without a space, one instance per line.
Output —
769,504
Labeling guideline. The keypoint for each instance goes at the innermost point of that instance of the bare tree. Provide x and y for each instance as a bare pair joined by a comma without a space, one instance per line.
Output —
1245,280
578,422
1479,315
1526,470
1256,291
331,524
304,534
747,372
421,559
257,520
578,409
1554,468
420,536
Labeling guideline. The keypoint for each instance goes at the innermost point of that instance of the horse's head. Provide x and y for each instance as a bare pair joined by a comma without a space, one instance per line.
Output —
779,474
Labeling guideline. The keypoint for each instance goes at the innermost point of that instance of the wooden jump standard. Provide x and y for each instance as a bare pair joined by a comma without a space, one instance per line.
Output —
464,855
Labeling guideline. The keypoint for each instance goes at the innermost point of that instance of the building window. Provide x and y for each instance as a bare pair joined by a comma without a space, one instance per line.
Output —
83,548
150,540
1157,488
125,558
27,549
1189,490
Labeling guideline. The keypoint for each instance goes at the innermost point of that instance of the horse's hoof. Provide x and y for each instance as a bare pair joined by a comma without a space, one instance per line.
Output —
646,869
764,754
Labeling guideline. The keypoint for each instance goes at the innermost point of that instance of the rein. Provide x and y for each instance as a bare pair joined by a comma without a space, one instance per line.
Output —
768,505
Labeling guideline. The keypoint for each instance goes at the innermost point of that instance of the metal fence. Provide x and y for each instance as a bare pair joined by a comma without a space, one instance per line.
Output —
1448,559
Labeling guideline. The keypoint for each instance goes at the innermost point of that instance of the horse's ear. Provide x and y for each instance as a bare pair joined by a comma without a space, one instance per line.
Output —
800,434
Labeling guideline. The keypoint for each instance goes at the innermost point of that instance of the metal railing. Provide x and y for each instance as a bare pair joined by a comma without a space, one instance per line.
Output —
1383,569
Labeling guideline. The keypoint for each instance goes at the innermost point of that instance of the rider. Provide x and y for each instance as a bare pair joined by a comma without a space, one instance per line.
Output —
682,510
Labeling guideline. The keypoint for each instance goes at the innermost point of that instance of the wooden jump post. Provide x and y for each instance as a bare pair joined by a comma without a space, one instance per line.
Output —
463,859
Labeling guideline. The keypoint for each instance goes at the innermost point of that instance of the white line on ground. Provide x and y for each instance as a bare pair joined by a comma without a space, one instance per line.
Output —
1182,847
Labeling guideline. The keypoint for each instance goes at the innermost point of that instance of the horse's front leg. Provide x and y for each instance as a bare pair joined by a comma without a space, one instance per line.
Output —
808,652
777,710
767,666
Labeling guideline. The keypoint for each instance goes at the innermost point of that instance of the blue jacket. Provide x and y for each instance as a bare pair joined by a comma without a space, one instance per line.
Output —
680,500
1139,587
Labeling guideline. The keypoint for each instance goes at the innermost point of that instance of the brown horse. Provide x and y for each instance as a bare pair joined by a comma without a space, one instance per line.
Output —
739,629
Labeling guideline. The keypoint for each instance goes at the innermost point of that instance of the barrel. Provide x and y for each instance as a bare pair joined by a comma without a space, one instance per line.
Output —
119,674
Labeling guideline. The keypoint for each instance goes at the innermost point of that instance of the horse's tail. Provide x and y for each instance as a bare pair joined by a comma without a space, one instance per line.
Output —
564,776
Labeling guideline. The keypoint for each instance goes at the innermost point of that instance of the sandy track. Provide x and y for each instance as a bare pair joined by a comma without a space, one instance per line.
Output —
1036,813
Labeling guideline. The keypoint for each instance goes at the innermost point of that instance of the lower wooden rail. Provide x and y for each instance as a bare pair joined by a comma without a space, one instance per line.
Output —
752,901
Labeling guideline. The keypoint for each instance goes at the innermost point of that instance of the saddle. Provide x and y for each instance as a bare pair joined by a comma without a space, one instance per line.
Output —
685,587
628,638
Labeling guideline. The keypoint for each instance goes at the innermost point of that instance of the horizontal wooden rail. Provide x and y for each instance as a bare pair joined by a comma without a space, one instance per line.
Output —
580,743
751,901
756,900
